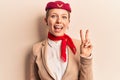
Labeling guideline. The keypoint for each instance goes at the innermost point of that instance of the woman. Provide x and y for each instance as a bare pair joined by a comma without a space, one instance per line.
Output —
59,57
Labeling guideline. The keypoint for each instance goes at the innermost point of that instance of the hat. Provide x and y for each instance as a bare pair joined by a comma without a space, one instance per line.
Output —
58,5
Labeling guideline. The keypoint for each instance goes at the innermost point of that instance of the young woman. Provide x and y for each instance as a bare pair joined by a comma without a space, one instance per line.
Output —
59,57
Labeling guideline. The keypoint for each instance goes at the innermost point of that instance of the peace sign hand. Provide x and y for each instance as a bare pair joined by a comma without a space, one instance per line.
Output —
86,46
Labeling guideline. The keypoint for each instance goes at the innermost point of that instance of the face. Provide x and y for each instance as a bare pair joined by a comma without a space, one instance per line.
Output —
58,21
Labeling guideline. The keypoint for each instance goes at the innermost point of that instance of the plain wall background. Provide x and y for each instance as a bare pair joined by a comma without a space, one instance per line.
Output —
21,26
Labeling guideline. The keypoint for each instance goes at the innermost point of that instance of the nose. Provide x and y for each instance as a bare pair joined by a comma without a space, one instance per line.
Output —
59,20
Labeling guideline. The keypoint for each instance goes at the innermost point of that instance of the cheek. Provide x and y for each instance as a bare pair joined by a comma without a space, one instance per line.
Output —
50,22
67,24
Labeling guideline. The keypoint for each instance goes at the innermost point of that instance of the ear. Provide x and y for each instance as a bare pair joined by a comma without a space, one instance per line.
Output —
45,19
69,20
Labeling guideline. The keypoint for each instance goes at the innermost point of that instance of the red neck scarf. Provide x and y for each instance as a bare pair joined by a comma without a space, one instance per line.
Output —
66,40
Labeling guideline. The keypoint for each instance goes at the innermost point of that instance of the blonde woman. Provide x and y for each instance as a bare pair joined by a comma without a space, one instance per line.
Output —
60,57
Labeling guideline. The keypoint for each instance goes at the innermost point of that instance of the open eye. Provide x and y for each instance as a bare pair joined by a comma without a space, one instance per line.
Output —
64,17
53,16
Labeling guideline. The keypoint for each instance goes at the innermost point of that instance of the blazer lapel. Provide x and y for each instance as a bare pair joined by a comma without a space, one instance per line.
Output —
71,63
44,58
68,64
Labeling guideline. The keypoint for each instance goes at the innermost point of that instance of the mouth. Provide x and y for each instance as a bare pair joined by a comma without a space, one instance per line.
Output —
58,28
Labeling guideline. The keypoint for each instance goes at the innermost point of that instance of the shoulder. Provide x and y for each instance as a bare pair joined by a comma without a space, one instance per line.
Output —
77,44
37,46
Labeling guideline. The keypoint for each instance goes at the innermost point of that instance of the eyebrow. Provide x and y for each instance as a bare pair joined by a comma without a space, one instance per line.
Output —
56,13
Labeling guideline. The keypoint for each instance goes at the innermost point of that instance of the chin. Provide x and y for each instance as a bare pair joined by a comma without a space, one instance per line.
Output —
58,34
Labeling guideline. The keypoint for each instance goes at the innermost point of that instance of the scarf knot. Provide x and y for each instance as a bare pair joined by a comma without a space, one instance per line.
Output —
66,40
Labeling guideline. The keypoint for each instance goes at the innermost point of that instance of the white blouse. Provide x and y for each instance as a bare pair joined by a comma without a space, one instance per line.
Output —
54,61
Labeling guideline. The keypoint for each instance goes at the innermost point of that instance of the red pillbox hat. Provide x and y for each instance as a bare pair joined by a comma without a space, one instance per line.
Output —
58,5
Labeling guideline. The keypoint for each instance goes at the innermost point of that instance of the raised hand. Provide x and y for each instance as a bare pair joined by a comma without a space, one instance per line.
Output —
86,46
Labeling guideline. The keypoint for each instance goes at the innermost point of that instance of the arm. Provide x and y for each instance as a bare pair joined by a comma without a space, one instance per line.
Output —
85,57
86,69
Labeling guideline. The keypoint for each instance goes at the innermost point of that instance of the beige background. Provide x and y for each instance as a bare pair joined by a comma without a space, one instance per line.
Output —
21,26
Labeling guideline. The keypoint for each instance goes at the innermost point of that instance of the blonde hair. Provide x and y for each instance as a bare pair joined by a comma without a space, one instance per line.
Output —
47,14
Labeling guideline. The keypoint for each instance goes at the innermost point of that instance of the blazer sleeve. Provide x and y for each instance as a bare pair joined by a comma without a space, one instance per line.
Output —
85,66
33,75
86,69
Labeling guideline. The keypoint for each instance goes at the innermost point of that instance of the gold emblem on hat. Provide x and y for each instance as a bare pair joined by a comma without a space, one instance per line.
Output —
59,5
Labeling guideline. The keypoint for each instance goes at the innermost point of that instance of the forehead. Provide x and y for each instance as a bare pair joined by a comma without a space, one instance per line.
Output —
58,11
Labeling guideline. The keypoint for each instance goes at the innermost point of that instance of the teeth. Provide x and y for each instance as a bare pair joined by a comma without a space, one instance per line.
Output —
58,27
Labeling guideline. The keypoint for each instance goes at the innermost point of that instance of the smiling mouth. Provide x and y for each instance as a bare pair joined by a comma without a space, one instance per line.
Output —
58,28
